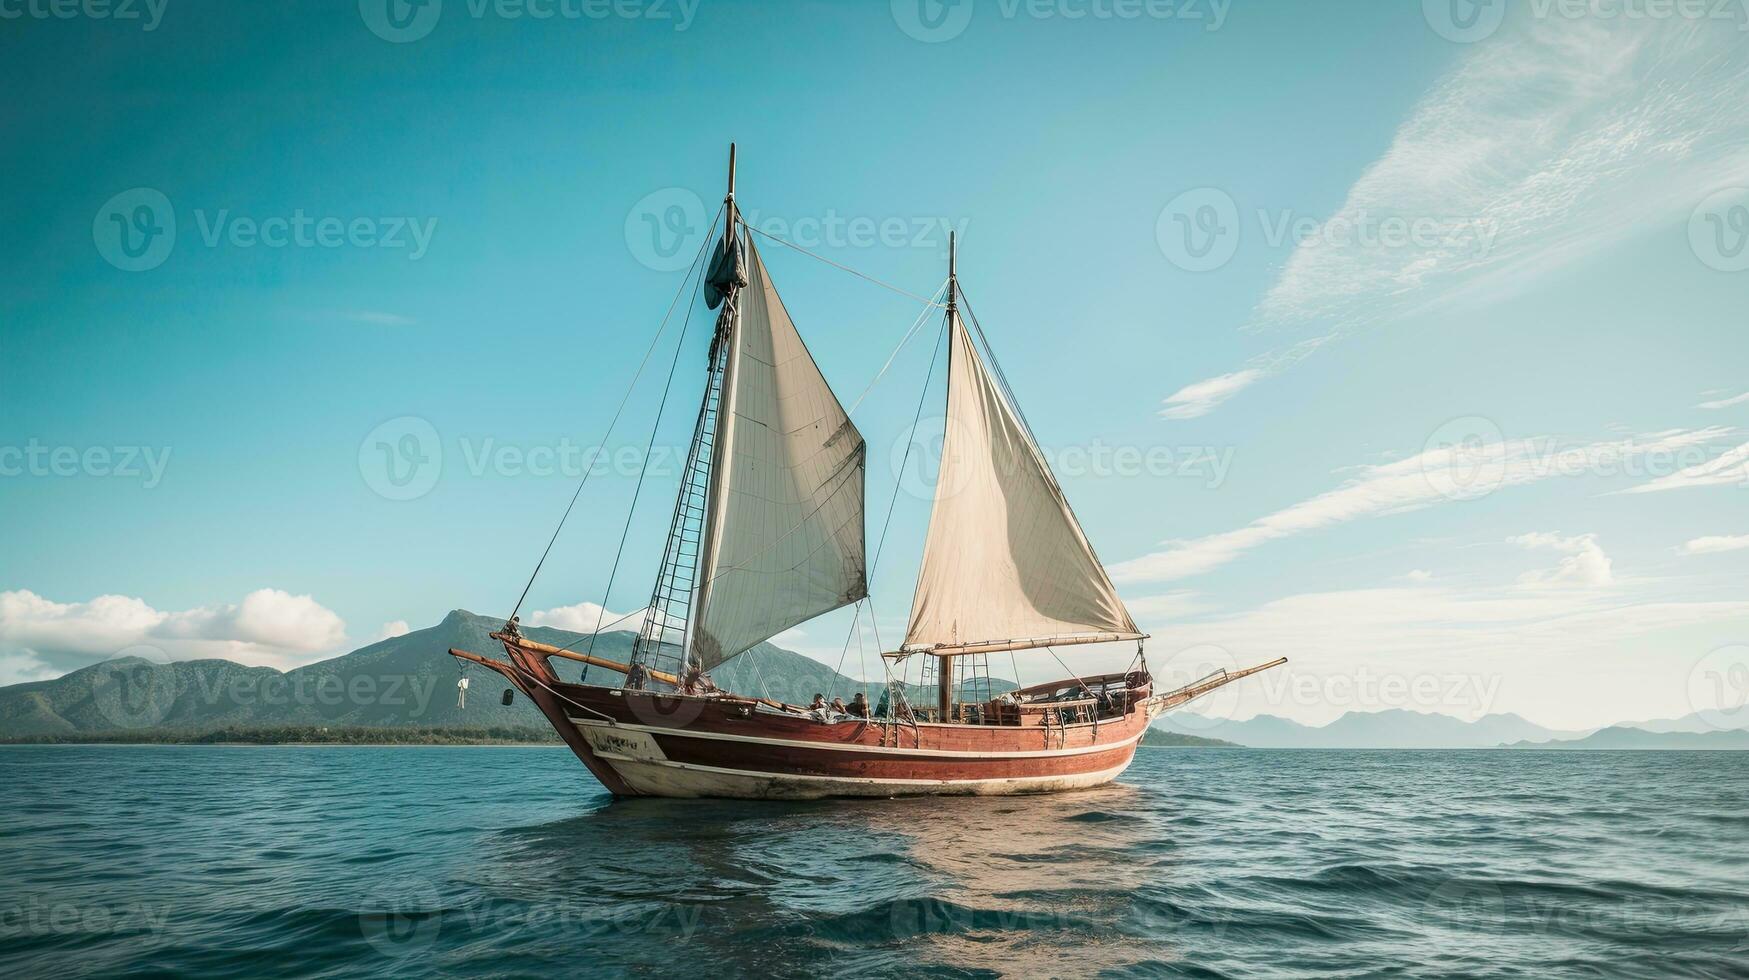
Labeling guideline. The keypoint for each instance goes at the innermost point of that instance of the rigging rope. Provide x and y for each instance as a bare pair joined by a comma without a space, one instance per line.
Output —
845,268
590,469
915,325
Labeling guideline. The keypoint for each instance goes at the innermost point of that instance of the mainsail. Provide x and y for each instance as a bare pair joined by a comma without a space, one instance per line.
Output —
783,538
1005,565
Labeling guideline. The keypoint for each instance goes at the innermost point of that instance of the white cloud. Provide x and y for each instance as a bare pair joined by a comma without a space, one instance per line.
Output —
268,627
1419,575
1435,475
1714,543
584,617
1585,563
266,617
1196,400
1728,468
22,667
392,629
1725,402
97,628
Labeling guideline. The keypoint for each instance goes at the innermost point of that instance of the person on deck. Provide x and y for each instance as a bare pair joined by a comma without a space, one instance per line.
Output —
838,706
859,705
818,703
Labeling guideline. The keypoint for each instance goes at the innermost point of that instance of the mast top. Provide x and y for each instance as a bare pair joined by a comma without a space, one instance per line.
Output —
731,196
952,274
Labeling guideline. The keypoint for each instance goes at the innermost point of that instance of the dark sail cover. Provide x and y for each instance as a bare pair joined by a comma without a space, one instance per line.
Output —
728,268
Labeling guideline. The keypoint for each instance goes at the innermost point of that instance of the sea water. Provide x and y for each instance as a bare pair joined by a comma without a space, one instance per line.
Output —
413,861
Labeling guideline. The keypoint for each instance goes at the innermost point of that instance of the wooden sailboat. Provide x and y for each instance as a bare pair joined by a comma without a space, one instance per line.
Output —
768,532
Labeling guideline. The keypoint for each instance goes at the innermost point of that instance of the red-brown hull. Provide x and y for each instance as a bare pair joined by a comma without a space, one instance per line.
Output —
649,744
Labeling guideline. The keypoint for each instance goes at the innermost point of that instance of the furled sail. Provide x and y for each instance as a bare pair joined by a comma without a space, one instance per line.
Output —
783,537
1005,565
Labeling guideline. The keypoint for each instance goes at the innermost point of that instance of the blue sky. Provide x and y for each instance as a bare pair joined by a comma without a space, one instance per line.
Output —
1279,257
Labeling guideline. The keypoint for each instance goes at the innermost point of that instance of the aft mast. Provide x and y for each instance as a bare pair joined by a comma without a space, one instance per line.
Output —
1006,565
944,662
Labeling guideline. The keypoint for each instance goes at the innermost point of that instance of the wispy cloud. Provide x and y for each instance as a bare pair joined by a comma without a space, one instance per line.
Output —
1715,543
1199,399
1730,468
1725,402
1436,475
1557,138
1561,135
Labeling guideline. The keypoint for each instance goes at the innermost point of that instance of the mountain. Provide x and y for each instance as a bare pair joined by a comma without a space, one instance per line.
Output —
1391,729
1156,737
1623,737
404,680
1712,721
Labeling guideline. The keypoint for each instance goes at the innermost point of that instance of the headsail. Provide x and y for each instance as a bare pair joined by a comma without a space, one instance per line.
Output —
1006,565
783,538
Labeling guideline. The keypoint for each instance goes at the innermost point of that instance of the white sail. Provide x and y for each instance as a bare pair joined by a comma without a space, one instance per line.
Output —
1006,565
783,539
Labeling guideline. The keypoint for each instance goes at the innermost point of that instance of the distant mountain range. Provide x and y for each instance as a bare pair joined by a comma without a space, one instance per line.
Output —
1400,729
406,680
1623,737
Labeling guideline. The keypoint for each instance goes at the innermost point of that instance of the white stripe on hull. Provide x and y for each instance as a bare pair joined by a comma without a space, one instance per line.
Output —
586,724
678,779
